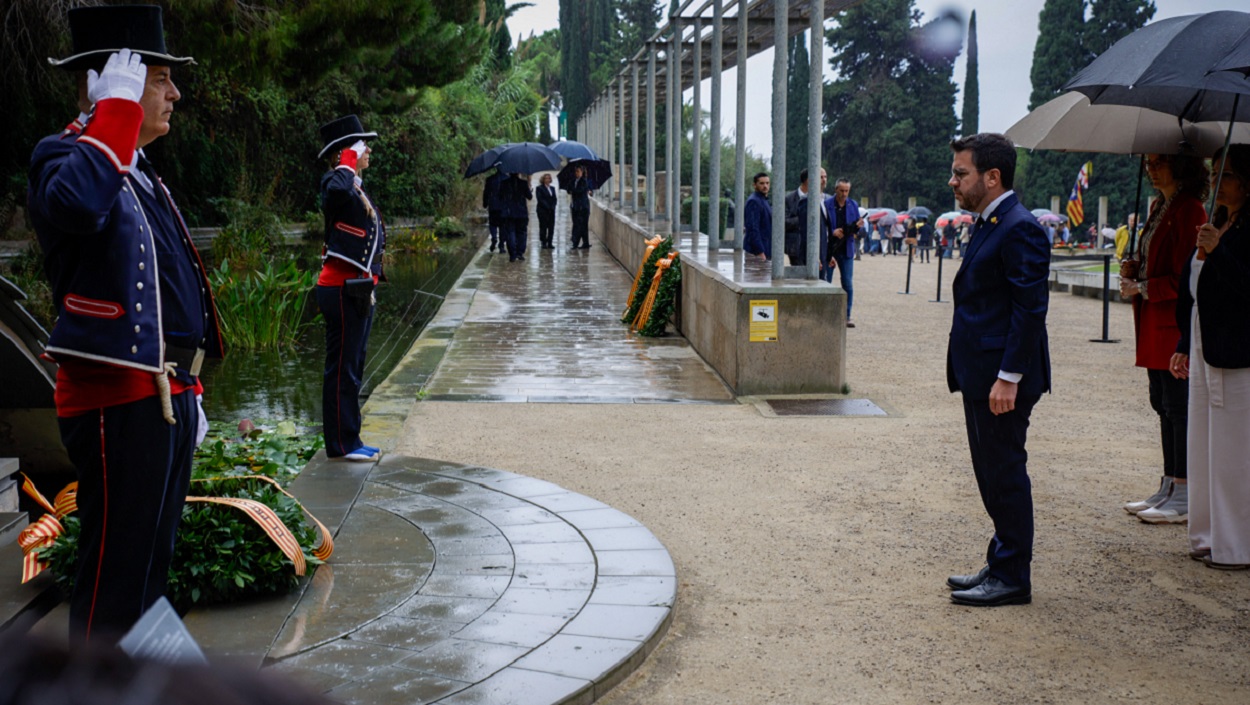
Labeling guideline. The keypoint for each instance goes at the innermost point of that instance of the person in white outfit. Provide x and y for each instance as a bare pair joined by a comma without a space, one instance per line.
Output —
1214,353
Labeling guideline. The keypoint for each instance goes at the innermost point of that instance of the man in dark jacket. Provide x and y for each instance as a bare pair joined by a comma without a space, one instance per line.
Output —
494,208
757,220
515,194
546,212
796,220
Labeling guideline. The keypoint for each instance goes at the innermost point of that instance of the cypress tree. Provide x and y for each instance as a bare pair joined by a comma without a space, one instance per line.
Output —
797,93
971,119
1059,53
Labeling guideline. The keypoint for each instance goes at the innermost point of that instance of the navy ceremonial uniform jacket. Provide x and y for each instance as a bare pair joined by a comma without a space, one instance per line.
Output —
1001,296
126,279
354,231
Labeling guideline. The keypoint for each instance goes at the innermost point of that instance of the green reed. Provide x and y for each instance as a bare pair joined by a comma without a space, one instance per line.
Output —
262,308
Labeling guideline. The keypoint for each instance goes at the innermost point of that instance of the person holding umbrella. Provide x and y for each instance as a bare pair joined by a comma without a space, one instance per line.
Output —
579,208
514,194
1214,354
1151,277
355,239
494,209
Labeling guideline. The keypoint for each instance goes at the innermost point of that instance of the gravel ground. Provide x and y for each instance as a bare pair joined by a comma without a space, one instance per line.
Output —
812,552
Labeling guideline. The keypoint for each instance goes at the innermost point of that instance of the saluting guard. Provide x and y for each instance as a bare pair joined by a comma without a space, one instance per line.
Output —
355,239
135,315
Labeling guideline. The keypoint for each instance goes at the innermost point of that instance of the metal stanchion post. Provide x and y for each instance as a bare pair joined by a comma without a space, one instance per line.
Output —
939,300
1106,302
907,290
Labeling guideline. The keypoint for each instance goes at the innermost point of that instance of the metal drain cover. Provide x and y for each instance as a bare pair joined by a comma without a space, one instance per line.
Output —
824,407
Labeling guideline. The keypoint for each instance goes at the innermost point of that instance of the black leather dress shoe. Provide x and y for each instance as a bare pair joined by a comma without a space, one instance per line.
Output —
965,582
992,592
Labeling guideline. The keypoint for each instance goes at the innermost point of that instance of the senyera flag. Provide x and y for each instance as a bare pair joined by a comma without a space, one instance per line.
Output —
1076,205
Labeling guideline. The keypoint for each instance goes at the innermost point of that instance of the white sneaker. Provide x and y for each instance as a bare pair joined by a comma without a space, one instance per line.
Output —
1154,500
1174,511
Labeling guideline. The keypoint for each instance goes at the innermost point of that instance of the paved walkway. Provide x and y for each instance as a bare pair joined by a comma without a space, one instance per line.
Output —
547,329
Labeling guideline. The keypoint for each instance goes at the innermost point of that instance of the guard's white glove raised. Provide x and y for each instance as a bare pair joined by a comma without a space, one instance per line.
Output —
359,148
124,76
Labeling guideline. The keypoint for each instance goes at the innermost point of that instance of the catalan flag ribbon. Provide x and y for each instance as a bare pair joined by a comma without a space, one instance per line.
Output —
1076,206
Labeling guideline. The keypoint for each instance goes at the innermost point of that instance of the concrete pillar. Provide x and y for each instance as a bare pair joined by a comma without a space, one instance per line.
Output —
1104,208
1054,205
815,88
634,128
740,149
696,136
620,126
674,129
651,185
713,179
781,30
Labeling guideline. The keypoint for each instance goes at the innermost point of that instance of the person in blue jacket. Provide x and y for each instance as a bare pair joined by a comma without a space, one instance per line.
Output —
135,314
355,241
757,220
999,359
844,224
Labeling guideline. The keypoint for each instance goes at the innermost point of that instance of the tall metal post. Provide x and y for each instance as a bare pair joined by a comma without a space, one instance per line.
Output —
634,129
740,150
651,51
781,30
696,137
815,98
620,125
674,130
605,134
713,178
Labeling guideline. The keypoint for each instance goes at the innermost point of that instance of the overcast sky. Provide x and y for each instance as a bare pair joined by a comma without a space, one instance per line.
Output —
1006,34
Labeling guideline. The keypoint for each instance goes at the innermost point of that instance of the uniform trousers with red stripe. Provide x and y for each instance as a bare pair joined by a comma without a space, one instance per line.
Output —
348,322
134,468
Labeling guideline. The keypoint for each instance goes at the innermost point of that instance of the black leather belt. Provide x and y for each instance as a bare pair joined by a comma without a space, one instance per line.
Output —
187,359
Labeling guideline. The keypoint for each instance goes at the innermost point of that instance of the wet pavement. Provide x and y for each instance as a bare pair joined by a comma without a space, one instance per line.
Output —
461,584
547,329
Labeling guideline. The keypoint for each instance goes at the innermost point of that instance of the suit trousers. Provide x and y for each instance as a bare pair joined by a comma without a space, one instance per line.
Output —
546,226
516,234
999,461
581,227
133,471
348,322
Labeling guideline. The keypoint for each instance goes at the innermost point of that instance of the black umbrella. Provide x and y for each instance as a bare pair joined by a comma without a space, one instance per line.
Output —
1170,66
920,212
527,158
1167,66
597,172
485,161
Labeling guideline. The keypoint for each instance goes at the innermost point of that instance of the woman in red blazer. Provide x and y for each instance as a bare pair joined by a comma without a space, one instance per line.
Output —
1152,277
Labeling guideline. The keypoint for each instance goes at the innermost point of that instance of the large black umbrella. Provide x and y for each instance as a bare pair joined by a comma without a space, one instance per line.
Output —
920,212
597,172
572,150
485,161
527,158
1167,66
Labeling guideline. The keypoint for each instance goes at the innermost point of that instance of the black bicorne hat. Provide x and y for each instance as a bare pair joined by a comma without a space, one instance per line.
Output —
340,133
98,32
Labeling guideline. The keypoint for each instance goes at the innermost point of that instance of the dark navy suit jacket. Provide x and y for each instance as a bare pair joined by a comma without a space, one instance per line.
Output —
757,224
1001,296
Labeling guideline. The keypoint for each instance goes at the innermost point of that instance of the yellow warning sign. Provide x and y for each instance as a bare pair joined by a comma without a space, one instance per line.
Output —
764,321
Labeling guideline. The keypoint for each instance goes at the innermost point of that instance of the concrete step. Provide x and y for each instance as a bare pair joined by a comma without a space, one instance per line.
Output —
11,524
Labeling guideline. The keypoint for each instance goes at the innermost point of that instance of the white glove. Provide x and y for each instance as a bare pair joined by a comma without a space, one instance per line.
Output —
359,148
124,76
201,429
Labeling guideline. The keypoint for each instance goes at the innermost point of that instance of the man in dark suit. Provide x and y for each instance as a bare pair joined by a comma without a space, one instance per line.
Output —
998,357
796,221
546,211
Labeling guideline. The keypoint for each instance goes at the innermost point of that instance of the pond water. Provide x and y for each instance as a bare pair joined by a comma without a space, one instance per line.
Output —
286,384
